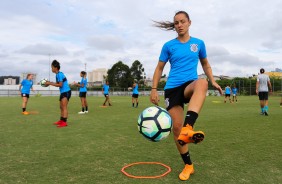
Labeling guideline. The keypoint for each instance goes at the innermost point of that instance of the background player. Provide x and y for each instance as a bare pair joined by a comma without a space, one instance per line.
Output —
234,93
105,91
227,93
65,93
263,85
135,94
25,87
83,92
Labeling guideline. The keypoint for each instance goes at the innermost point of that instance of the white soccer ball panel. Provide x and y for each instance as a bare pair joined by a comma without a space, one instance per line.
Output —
164,120
149,128
162,136
150,112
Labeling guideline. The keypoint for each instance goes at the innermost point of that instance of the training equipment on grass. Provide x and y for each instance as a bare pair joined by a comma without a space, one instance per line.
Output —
145,177
42,82
154,123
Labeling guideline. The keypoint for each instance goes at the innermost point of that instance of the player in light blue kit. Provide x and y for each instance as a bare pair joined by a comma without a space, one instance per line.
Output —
82,92
65,93
25,87
183,85
135,94
234,93
105,91
227,93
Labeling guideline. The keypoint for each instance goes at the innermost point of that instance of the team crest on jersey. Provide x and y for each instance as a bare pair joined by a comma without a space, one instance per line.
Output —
194,47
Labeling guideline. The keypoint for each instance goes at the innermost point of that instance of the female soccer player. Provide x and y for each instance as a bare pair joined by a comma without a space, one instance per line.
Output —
65,93
263,86
25,87
83,92
234,93
227,92
105,91
135,94
183,85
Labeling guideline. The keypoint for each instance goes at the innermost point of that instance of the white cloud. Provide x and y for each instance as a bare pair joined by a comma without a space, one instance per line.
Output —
240,36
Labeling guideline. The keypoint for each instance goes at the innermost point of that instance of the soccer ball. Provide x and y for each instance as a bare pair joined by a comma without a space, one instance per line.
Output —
42,82
154,123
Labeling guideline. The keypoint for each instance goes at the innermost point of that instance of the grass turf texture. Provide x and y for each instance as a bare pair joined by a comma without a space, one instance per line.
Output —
241,146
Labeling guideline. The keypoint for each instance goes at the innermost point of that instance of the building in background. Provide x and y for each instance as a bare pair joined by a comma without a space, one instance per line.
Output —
9,80
97,77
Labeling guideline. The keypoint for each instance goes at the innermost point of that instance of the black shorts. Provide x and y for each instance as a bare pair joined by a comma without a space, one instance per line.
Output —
106,95
65,95
82,94
25,95
175,96
227,95
135,95
263,95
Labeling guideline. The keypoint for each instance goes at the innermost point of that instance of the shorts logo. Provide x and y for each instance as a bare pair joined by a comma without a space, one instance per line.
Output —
167,102
194,47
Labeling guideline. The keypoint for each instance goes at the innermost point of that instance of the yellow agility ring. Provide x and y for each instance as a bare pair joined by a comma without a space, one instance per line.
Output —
140,163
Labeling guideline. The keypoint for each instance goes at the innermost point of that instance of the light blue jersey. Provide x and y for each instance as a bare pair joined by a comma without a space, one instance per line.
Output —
234,91
184,59
135,90
26,86
106,89
60,77
84,82
227,91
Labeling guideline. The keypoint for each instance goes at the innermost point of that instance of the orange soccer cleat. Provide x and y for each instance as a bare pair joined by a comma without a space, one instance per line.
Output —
25,113
188,135
186,172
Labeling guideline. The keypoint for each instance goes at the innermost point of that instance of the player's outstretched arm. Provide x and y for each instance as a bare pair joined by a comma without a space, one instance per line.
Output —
154,96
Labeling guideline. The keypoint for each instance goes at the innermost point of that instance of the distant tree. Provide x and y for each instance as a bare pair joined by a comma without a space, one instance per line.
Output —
137,70
161,84
119,75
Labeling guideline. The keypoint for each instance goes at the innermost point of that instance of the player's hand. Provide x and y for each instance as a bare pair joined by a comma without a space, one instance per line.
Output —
154,97
216,86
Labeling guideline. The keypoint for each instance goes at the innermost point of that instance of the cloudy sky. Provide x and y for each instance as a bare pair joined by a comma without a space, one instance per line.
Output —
241,36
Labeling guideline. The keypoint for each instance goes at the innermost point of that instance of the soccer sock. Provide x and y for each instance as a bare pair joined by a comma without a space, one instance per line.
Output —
64,119
86,108
266,108
132,104
190,118
137,104
186,158
262,109
24,109
82,109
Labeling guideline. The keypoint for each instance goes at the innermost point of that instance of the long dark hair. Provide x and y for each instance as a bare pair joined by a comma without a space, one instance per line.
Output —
83,73
56,64
167,25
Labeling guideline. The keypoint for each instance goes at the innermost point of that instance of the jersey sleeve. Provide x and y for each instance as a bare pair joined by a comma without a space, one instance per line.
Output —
60,77
202,52
164,56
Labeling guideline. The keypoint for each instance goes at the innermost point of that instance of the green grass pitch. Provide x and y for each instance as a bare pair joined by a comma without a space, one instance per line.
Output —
241,146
